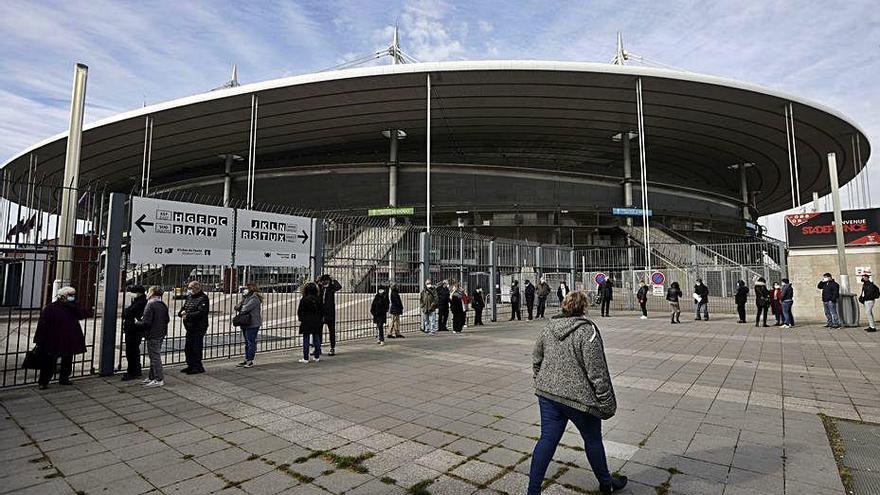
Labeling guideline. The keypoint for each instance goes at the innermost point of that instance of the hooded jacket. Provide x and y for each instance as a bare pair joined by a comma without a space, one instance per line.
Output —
742,293
253,305
379,308
570,368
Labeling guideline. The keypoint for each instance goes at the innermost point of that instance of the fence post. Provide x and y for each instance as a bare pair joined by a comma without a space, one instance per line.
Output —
539,262
317,247
572,268
783,260
493,274
424,258
115,225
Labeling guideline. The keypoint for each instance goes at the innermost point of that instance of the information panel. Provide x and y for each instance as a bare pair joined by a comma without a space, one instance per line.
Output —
175,233
270,239
860,228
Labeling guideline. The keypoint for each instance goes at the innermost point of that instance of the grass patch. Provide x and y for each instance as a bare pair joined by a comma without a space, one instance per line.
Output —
327,472
56,474
662,488
420,488
253,457
673,471
232,484
285,468
352,463
839,451
388,480
306,458
37,460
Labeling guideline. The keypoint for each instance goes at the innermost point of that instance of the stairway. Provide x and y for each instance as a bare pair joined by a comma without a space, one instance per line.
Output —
352,262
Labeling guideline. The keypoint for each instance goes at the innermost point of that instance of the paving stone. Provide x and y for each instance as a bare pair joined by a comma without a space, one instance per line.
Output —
478,472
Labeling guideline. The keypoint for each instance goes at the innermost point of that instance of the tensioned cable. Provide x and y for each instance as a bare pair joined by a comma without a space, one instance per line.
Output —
788,149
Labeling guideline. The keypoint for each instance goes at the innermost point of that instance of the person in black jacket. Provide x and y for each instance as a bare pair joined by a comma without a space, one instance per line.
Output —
456,306
741,297
515,313
530,298
396,310
479,302
379,310
830,294
133,335
786,295
673,294
59,334
642,298
443,306
311,320
762,300
702,300
195,320
870,293
329,288
606,291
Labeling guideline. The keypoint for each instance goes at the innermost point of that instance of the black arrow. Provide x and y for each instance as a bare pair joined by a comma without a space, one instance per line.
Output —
304,236
141,223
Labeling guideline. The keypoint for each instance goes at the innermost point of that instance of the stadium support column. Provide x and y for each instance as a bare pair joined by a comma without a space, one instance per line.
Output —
69,195
227,180
838,222
392,168
493,280
627,174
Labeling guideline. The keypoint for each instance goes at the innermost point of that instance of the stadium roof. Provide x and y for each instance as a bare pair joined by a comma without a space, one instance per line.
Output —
558,116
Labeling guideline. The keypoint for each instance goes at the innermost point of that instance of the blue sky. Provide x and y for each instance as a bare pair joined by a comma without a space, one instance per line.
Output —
151,51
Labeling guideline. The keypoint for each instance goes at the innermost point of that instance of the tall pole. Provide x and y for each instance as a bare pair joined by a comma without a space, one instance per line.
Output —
744,189
838,222
227,180
640,114
67,220
428,157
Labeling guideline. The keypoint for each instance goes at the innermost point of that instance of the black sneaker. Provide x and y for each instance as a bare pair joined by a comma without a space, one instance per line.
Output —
332,352
401,336
870,329
617,483
186,370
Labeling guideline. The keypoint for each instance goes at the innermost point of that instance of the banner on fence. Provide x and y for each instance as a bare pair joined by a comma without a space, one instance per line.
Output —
271,239
175,233
860,228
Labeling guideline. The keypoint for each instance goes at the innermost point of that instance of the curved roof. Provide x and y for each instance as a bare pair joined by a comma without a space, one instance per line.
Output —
554,116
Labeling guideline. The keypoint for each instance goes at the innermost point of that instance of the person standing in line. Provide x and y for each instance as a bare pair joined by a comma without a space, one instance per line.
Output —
642,298
870,293
443,306
562,291
830,294
786,295
465,301
701,300
133,334
606,291
529,291
572,383
195,320
515,313
396,310
776,303
59,334
311,320
456,306
543,292
673,295
741,297
251,305
762,300
379,310
154,324
479,302
329,288
428,303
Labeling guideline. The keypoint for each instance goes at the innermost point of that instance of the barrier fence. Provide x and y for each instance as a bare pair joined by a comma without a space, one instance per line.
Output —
362,254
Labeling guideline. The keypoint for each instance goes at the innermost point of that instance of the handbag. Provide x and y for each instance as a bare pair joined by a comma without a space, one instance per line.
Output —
32,359
242,320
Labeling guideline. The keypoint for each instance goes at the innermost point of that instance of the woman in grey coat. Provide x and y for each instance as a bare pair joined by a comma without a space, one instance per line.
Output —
572,383
154,324
252,305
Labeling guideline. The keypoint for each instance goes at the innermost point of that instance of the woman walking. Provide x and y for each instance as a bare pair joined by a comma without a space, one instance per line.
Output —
762,300
250,314
379,310
673,294
154,325
311,322
60,335
572,383
396,310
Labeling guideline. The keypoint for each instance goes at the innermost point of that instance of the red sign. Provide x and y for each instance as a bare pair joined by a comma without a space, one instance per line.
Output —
860,228
600,278
657,278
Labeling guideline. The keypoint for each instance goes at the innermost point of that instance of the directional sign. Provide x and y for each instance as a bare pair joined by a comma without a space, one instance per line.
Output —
175,233
657,278
392,211
630,212
600,278
270,239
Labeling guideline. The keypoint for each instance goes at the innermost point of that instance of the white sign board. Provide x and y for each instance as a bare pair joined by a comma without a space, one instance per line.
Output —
270,239
658,290
863,270
175,233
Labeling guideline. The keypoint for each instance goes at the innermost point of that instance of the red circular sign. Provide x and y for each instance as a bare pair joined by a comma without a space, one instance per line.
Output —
600,278
657,278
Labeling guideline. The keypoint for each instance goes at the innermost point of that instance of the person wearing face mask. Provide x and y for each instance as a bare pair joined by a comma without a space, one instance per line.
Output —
60,335
456,306
379,310
529,292
515,313
428,303
830,294
870,293
133,335
741,297
762,300
250,315
194,314
329,287
154,324
396,310
776,303
786,295
443,306
478,302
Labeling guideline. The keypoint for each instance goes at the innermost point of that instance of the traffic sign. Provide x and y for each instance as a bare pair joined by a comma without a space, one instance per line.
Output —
630,212
175,233
270,239
657,278
600,278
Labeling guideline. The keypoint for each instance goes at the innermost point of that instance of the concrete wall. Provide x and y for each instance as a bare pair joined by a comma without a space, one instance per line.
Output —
805,269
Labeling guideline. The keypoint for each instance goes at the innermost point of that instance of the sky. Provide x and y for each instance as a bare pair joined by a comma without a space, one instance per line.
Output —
151,51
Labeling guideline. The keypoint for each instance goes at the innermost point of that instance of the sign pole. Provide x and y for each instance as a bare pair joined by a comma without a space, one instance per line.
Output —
112,261
838,222
428,158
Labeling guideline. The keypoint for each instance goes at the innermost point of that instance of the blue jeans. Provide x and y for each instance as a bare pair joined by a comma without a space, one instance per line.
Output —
554,419
831,317
250,342
316,341
704,306
429,322
787,317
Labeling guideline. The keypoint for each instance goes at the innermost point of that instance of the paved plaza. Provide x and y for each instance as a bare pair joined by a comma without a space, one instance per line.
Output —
704,408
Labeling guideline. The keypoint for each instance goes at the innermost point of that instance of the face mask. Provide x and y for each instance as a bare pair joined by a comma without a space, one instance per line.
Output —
428,285
381,292
71,298
826,279
189,292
